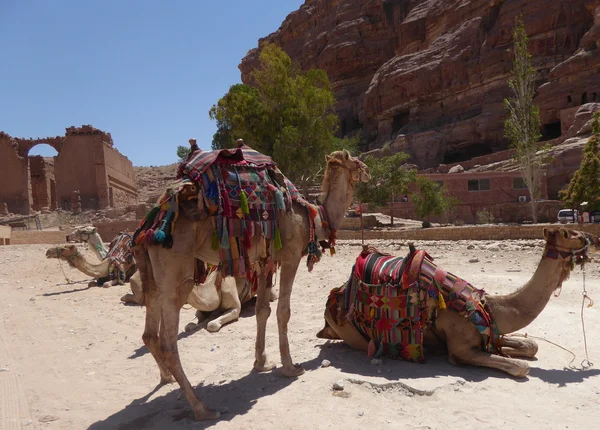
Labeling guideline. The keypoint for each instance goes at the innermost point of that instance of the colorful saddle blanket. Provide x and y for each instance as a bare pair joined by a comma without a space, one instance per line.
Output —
243,190
120,254
391,300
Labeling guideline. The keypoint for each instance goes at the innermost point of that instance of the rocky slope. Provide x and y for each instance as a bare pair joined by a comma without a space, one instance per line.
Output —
430,75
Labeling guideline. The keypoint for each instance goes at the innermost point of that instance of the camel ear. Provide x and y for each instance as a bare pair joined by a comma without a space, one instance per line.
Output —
327,158
346,154
548,233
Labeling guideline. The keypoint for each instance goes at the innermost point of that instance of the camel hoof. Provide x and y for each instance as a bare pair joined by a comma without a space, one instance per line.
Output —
213,327
191,327
106,285
522,371
292,372
266,367
207,414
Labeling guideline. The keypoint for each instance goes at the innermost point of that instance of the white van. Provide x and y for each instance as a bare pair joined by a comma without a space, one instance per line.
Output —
568,216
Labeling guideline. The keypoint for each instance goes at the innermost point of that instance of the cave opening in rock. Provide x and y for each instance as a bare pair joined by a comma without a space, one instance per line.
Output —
349,125
465,152
551,131
400,120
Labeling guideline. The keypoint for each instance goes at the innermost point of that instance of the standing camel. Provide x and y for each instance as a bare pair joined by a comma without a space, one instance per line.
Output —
474,334
167,272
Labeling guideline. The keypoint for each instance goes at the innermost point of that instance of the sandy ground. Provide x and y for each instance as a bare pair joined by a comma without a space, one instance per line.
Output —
71,357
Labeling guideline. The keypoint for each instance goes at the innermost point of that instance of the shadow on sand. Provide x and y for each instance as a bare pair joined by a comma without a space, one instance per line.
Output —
239,396
248,309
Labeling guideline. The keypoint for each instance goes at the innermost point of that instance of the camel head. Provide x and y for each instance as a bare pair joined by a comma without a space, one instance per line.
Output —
64,252
359,172
344,168
570,244
81,233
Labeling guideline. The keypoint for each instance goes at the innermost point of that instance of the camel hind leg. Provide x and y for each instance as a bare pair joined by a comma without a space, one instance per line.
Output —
153,315
288,273
174,286
171,303
263,311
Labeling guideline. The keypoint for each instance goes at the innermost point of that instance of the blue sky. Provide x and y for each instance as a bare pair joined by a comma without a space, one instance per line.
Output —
147,71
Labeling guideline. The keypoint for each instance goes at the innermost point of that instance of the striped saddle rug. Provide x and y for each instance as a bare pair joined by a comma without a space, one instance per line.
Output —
392,300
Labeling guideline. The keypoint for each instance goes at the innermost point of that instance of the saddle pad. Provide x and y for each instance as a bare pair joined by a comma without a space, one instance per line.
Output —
373,267
392,313
120,254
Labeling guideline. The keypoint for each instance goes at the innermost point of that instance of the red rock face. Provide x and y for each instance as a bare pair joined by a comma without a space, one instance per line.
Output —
430,76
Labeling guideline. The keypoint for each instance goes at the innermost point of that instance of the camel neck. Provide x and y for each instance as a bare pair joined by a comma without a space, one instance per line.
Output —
335,201
93,270
515,311
95,244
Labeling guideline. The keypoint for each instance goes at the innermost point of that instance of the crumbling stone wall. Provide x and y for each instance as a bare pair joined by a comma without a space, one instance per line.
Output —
43,182
86,162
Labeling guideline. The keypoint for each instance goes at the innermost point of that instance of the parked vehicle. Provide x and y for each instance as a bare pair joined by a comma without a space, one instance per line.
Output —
568,216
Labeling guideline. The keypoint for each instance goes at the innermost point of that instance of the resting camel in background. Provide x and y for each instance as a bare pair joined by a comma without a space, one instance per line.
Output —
167,275
216,293
564,248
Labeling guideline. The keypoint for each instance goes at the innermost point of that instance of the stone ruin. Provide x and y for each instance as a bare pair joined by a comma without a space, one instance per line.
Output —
88,173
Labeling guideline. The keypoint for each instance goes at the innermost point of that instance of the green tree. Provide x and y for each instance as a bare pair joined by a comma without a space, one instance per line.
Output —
182,152
585,184
390,177
287,114
431,198
522,127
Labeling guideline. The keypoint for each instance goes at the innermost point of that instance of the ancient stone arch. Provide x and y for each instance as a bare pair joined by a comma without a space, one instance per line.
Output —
87,163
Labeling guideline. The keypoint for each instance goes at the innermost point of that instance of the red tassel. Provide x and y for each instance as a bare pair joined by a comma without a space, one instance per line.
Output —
332,237
227,205
140,239
149,238
247,238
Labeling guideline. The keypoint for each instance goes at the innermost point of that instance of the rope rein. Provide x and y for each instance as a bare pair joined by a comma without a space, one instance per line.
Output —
586,363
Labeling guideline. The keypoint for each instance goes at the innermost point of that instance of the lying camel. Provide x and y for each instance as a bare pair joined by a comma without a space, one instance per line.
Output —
215,294
101,270
464,341
167,271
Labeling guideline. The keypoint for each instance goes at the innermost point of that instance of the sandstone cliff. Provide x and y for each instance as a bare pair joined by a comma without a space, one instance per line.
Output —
430,76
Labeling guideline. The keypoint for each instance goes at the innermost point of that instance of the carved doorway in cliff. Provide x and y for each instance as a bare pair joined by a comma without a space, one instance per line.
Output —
41,178
111,197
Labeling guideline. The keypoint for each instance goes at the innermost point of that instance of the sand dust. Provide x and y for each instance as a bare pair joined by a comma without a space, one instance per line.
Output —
71,357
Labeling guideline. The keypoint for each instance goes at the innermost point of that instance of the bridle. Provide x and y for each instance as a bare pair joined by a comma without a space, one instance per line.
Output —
577,256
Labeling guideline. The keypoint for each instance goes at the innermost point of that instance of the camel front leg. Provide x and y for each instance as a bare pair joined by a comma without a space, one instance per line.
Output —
288,273
518,346
476,357
171,303
464,346
263,311
201,316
